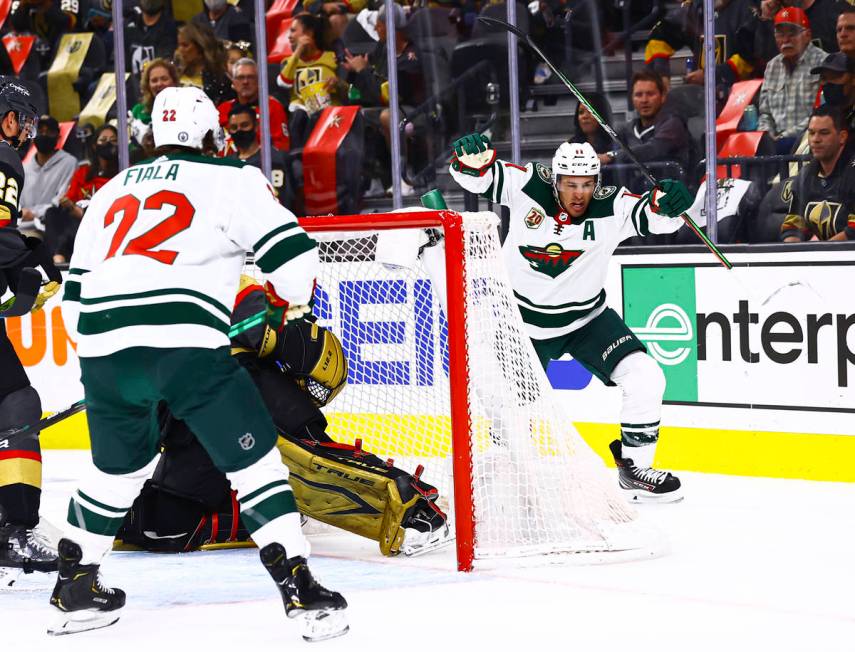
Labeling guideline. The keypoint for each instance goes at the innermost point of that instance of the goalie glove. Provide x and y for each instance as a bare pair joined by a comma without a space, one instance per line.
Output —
472,155
670,198
48,290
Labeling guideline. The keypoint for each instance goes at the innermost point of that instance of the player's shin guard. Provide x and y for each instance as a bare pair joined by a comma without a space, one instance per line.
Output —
267,505
643,385
97,508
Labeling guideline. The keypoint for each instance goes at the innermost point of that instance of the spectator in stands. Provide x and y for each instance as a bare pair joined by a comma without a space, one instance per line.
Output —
46,176
336,13
587,129
201,62
312,74
789,89
822,204
149,34
61,223
735,24
245,85
837,73
656,135
98,19
846,31
821,14
235,51
47,19
157,75
243,134
368,75
228,22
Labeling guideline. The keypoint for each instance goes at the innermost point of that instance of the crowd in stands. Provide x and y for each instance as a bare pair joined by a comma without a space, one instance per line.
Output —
334,53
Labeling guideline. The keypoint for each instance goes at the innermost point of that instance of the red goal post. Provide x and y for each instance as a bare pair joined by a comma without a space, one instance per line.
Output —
524,483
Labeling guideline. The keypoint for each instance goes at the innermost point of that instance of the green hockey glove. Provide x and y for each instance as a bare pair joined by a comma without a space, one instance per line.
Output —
472,155
671,198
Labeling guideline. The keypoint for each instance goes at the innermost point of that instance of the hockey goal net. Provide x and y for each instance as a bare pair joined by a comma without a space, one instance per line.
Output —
443,375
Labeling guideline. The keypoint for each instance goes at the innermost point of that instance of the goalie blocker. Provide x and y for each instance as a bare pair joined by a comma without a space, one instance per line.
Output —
188,503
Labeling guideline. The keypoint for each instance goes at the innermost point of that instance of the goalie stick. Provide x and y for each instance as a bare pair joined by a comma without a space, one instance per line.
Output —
29,283
44,423
495,22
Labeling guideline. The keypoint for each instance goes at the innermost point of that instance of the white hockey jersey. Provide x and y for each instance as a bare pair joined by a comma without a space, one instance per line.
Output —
558,265
159,253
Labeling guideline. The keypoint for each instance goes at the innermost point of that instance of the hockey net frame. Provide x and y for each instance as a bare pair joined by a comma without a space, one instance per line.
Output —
618,518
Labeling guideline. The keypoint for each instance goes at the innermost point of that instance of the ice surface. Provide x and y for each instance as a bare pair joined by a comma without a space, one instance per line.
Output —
755,564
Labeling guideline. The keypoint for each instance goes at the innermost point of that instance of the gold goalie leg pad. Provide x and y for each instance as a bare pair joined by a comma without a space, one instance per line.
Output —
349,488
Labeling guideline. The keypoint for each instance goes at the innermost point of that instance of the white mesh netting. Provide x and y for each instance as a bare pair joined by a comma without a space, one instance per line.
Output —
537,487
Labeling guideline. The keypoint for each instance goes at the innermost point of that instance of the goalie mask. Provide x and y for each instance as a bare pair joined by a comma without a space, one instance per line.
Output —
313,355
184,117
574,160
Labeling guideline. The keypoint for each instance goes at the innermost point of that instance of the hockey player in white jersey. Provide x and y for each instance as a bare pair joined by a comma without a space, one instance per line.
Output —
564,227
154,273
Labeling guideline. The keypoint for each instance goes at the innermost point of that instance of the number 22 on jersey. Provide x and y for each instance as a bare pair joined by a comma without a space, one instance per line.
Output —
143,244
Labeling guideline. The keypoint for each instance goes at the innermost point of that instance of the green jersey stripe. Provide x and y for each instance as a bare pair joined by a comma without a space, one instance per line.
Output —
104,506
78,270
85,519
559,306
268,509
500,183
159,293
639,216
173,313
283,251
72,291
558,320
261,490
281,229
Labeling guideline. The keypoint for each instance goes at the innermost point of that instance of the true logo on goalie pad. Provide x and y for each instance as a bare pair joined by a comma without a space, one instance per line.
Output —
534,218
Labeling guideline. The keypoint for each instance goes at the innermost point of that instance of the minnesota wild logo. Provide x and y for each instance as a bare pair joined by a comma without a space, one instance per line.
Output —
551,260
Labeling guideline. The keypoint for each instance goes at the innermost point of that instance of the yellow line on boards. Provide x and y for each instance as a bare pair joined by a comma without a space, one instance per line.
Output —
806,456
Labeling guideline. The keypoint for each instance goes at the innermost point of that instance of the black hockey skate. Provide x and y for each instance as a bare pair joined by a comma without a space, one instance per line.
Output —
321,610
644,484
22,551
83,601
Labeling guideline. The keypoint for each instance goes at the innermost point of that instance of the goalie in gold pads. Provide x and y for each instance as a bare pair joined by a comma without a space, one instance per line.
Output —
336,483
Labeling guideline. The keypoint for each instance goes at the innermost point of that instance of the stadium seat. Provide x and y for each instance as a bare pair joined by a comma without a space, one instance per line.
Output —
770,216
281,49
741,95
278,10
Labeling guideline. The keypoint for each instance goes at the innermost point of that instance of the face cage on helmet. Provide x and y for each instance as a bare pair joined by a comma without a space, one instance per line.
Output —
28,124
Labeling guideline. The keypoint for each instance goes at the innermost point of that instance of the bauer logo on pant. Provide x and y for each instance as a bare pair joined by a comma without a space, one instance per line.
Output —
247,441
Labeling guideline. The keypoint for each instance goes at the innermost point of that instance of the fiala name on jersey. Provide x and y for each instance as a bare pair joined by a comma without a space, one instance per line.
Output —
551,260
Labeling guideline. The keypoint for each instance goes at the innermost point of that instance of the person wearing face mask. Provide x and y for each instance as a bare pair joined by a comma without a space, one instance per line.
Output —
46,175
61,223
228,22
837,73
243,134
149,34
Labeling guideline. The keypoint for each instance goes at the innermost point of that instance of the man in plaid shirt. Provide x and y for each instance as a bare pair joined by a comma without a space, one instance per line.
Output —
789,89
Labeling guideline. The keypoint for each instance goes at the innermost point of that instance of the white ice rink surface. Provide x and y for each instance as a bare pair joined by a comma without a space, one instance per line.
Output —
755,564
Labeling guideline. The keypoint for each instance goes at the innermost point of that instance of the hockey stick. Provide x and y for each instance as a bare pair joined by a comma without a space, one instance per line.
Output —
52,420
29,283
495,22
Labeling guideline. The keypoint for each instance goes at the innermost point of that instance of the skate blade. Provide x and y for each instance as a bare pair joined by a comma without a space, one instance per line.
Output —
440,539
323,624
73,622
645,497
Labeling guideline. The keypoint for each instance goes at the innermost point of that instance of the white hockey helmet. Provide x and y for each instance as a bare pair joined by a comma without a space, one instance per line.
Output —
575,160
183,116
